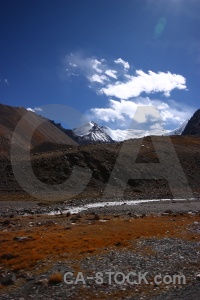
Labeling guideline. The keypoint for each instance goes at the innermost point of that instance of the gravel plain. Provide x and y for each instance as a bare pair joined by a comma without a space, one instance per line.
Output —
165,255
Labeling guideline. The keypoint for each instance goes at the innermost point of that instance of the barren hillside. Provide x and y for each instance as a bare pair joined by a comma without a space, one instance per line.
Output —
27,122
55,167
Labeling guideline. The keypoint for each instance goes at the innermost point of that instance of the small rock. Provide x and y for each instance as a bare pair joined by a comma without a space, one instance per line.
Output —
21,238
168,211
6,222
43,281
96,217
67,228
7,256
7,279
198,277
30,278
136,216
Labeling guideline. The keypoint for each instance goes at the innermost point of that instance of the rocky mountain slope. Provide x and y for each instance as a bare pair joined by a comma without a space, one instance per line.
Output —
55,167
55,157
49,135
46,135
193,125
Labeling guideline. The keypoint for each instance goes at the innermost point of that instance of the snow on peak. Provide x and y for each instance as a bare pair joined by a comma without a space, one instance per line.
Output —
84,129
92,132
179,130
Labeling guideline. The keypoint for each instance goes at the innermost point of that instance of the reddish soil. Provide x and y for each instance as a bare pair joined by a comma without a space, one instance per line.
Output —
58,236
76,238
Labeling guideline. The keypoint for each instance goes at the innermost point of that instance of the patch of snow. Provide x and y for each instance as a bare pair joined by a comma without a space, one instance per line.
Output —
92,131
179,130
83,129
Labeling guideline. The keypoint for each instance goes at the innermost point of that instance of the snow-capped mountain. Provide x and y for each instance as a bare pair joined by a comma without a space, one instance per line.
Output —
179,130
126,134
91,132
119,135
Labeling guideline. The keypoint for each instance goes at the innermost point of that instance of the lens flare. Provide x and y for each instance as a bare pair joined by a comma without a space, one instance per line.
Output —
160,26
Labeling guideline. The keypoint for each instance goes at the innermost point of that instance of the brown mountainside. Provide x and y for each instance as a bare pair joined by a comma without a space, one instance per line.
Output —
45,134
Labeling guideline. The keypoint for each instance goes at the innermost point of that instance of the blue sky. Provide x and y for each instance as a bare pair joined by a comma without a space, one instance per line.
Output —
103,58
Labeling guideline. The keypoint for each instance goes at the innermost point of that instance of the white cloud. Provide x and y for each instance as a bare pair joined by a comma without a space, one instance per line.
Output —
36,109
98,78
123,62
115,79
111,73
95,70
86,66
168,115
96,64
150,82
123,84
106,114
83,65
156,126
117,110
73,65
147,114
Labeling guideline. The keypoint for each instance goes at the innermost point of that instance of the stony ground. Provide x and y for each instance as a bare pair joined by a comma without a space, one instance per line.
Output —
37,248
36,251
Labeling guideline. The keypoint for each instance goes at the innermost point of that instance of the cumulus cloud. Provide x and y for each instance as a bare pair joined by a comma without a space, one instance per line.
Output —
86,66
95,70
127,87
153,113
98,78
73,65
111,73
150,82
120,83
96,65
123,62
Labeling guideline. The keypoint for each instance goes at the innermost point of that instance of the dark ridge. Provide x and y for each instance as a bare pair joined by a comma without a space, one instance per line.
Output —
193,125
